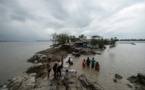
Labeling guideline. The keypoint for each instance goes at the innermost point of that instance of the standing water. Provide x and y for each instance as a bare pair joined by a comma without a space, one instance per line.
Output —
14,56
124,59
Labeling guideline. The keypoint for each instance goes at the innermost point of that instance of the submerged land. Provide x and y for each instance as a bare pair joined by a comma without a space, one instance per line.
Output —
36,76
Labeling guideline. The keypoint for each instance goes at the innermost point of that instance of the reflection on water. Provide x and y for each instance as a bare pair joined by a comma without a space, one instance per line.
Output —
125,59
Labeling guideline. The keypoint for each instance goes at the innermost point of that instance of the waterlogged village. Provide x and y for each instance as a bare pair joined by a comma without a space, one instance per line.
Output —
70,64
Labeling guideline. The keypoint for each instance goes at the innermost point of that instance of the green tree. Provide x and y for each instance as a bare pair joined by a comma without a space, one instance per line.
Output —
93,42
54,39
113,41
82,36
62,38
101,43
58,39
95,36
72,38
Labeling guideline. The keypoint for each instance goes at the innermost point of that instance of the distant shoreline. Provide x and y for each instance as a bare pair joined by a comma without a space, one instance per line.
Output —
132,40
28,41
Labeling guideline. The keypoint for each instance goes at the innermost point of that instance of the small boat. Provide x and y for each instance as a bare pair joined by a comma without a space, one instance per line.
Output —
133,43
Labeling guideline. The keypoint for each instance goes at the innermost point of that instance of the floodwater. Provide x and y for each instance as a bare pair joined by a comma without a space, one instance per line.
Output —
14,56
124,59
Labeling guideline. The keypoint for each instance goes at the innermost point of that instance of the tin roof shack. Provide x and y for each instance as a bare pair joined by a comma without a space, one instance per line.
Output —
82,43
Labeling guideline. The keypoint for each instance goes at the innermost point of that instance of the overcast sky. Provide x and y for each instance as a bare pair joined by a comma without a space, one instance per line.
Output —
39,19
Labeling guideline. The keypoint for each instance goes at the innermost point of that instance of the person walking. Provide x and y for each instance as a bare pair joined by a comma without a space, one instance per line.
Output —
92,63
88,62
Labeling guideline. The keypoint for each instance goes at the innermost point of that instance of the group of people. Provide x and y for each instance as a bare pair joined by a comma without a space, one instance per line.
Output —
59,65
56,68
91,63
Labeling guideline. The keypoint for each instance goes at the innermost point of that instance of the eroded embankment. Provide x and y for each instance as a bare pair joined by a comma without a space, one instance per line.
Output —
36,77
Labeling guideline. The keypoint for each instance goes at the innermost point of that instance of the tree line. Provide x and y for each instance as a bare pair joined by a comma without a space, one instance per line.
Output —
59,39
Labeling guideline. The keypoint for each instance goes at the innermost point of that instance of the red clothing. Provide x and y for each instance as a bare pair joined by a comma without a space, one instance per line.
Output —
97,66
84,64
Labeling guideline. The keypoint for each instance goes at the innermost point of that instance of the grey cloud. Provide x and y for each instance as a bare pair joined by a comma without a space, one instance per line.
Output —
79,18
56,9
91,18
11,9
55,25
19,18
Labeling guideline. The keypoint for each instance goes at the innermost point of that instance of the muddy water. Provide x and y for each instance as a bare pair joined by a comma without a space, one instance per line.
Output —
14,56
124,59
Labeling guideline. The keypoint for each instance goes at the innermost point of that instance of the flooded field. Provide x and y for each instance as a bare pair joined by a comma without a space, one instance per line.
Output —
125,60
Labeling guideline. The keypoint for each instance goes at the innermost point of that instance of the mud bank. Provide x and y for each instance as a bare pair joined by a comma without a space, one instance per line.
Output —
69,82
35,77
138,81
